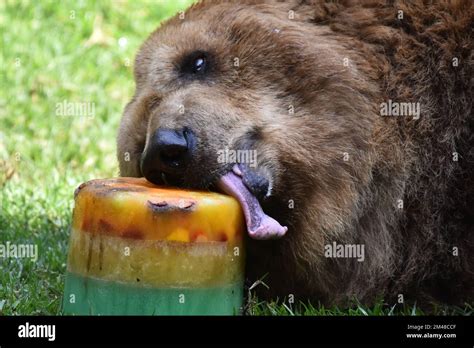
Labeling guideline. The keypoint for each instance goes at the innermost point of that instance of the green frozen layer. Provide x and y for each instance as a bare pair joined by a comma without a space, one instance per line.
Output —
91,296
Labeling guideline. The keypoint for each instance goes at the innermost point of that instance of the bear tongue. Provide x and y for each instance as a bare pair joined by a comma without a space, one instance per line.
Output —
259,225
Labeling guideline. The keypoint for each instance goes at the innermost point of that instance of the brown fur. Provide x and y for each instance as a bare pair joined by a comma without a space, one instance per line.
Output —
299,62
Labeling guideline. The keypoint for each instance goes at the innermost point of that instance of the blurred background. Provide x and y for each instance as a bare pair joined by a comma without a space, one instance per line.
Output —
66,74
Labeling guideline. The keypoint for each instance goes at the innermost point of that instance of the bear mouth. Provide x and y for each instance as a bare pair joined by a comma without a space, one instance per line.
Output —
236,184
249,189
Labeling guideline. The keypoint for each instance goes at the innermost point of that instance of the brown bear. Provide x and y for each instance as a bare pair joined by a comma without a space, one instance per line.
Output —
349,128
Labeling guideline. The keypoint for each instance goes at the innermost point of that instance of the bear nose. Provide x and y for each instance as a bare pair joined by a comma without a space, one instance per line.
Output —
167,154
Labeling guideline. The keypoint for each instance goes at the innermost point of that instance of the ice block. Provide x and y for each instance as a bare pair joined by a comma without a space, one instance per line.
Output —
139,249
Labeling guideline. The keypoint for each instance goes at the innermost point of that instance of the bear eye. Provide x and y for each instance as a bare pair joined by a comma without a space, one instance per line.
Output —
196,63
199,64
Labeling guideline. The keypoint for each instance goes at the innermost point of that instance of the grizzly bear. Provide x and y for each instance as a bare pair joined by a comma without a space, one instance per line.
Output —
360,118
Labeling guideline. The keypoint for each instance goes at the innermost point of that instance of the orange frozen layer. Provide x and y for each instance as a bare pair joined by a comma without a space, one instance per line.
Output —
134,208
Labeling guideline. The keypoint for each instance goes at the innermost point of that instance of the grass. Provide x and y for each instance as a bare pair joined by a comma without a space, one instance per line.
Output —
380,308
75,51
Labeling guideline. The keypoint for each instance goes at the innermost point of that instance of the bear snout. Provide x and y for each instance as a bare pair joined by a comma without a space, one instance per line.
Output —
167,155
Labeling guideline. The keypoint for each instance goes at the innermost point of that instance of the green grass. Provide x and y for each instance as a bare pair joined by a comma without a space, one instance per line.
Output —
256,307
53,51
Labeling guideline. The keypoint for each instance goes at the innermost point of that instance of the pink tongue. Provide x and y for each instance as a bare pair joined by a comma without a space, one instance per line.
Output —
259,225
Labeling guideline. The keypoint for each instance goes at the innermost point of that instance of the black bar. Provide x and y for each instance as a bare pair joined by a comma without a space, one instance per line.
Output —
258,330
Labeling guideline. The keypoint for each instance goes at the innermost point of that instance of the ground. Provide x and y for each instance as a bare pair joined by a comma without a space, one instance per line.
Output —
79,52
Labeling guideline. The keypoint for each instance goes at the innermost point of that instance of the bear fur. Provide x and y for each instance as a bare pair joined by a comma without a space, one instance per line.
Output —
303,83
